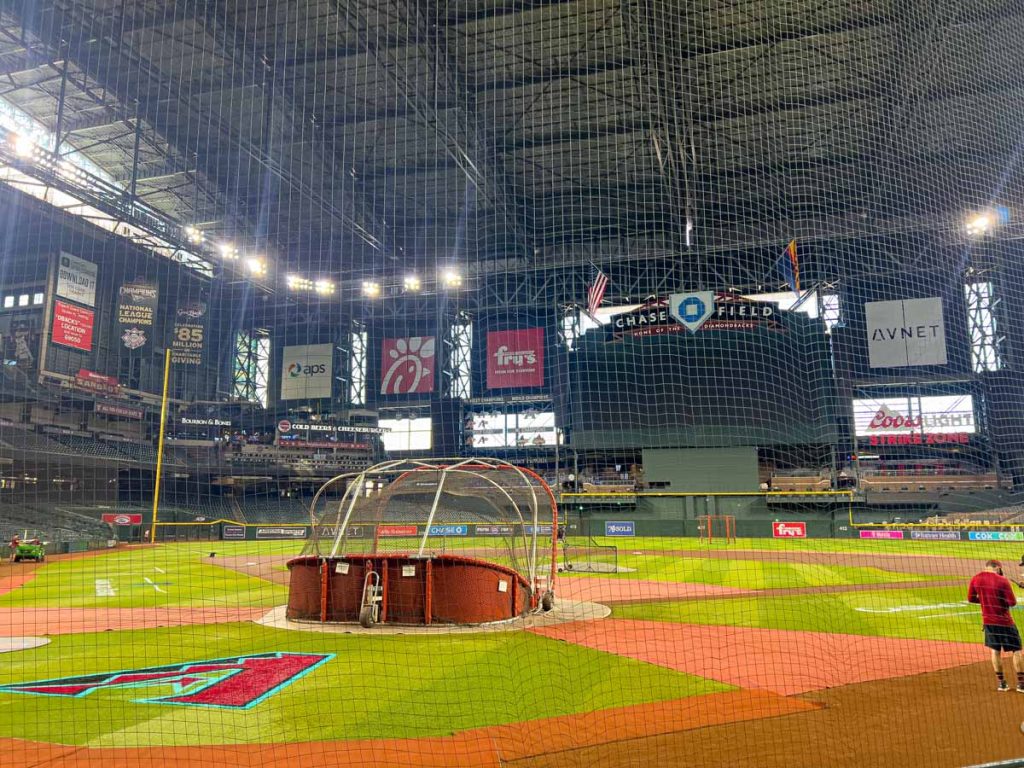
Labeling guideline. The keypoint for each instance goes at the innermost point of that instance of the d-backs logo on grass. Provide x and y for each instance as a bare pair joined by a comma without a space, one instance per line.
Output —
239,682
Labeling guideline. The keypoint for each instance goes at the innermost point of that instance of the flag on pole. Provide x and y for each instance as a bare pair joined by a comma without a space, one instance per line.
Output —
791,267
595,291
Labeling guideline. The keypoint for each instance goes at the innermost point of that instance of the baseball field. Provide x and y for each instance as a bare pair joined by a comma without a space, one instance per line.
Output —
819,652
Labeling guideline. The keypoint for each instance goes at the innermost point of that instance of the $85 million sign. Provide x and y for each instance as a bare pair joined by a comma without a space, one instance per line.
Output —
189,334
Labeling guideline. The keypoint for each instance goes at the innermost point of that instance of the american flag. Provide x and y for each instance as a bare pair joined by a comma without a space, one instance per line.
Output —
595,291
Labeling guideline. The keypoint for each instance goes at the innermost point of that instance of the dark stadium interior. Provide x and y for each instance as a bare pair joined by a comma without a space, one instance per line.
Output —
267,161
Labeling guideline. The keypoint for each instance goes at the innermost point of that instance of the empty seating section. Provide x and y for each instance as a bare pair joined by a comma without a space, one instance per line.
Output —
799,483
891,482
52,522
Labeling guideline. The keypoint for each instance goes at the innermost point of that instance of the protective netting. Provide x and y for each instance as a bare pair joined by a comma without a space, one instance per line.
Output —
740,280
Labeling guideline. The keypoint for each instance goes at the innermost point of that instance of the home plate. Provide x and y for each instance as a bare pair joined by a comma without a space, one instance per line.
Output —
8,644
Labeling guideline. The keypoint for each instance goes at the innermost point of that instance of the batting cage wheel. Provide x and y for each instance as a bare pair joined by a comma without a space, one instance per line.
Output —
432,541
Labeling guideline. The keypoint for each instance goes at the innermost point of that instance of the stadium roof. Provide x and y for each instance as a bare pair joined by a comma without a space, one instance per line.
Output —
363,136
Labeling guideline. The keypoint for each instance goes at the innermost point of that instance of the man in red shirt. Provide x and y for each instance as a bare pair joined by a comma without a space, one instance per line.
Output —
994,593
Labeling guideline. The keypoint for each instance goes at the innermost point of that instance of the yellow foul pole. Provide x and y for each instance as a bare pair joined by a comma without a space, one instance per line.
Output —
160,445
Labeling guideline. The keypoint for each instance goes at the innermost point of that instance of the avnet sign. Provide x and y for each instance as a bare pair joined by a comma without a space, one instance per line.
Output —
901,333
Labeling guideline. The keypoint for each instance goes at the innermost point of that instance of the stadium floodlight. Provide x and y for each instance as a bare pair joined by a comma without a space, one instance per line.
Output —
451,279
23,145
324,287
299,283
194,235
981,223
371,289
257,267
228,251
411,283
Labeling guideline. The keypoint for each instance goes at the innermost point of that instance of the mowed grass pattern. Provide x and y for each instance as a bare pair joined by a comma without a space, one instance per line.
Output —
750,574
375,687
163,576
919,614
380,686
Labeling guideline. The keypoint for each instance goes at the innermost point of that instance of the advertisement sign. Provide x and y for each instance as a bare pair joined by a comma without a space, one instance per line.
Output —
293,434
96,382
692,310
136,313
881,534
493,530
619,528
709,311
789,530
188,337
204,421
935,535
995,535
396,530
72,326
651,319
407,366
280,533
124,411
449,530
941,414
909,332
515,358
76,279
232,532
307,371
122,519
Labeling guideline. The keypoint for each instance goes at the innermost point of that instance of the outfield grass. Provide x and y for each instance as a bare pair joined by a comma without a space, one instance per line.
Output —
981,550
748,574
935,613
376,686
174,575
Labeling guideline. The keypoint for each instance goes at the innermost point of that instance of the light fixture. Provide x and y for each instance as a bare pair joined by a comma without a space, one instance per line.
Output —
257,267
228,251
978,224
324,287
451,279
411,283
982,222
23,145
299,283
371,289
194,235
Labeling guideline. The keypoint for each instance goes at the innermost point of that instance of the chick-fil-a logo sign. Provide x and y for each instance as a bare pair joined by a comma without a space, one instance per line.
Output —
407,366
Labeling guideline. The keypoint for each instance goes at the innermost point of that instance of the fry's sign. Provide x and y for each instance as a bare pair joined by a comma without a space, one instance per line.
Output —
239,682
789,530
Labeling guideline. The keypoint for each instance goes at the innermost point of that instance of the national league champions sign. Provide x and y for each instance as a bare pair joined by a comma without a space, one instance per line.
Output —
136,313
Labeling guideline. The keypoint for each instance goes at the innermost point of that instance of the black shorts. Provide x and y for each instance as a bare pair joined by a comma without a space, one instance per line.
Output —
1000,638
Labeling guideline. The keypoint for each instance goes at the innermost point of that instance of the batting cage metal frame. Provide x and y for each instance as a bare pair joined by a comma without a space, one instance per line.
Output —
428,540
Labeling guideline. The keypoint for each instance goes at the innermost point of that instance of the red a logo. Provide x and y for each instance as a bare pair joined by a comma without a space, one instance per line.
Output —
239,682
